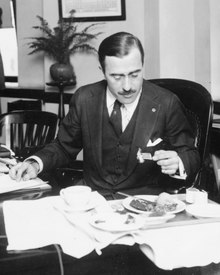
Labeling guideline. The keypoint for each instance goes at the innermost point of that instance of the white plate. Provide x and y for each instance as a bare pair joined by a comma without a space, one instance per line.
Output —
207,210
157,219
126,203
116,222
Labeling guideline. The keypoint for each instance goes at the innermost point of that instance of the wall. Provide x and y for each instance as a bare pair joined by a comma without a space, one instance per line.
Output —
215,46
178,40
30,67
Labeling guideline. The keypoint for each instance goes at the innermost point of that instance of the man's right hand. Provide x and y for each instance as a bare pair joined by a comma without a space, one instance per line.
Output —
24,170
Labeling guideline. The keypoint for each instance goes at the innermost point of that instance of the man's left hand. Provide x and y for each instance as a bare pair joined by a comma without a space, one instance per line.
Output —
168,160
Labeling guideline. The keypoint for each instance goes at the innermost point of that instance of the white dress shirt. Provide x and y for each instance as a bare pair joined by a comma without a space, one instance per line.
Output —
127,110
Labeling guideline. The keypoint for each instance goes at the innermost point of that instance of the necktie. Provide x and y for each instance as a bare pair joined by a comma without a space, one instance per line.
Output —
115,117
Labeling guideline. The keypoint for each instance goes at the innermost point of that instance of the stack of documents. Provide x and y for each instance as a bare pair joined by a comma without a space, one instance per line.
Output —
8,185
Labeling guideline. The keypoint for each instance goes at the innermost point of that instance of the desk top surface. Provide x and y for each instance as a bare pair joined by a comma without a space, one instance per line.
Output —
23,260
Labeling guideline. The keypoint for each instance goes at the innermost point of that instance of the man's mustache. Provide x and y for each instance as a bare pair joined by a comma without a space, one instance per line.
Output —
124,92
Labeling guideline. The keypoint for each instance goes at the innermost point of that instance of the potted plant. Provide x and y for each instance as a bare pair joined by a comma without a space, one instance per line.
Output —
61,42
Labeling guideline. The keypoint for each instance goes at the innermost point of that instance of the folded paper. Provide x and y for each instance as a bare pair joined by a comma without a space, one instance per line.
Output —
10,185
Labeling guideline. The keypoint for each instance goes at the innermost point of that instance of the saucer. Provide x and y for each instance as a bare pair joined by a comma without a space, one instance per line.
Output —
92,203
206,210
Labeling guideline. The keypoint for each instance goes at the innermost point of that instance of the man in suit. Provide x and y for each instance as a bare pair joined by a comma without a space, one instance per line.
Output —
151,144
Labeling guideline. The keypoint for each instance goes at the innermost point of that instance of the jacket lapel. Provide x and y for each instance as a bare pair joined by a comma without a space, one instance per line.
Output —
95,102
148,110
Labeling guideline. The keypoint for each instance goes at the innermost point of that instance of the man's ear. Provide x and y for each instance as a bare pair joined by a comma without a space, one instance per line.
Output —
100,67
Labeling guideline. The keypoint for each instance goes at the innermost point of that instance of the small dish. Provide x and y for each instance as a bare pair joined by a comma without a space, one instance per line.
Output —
207,210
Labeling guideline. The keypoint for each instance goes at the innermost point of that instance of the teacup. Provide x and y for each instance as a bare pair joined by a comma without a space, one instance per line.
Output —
76,196
194,195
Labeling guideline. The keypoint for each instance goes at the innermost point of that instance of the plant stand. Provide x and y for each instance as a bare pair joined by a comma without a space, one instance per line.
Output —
61,85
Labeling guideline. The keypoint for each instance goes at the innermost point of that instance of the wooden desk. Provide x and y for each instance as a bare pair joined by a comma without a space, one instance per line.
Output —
115,259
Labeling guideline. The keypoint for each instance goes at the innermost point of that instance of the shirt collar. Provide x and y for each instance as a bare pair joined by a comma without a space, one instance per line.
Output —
110,99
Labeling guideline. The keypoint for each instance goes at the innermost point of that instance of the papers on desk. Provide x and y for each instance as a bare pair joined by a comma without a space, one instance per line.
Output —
6,152
9,161
8,185
5,163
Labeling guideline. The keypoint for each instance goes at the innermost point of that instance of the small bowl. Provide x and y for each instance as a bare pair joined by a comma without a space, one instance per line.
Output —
76,196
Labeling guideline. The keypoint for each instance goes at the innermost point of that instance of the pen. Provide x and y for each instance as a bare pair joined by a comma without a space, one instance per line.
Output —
9,165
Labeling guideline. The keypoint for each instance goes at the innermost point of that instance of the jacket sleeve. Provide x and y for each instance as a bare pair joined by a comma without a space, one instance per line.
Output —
68,142
181,137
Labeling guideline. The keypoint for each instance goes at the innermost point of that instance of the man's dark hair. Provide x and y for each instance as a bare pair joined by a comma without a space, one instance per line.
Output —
119,45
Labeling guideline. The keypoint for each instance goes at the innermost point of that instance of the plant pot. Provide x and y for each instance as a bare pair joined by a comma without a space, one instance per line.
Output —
62,72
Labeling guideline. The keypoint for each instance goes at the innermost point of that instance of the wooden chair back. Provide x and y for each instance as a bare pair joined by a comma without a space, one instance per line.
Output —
28,131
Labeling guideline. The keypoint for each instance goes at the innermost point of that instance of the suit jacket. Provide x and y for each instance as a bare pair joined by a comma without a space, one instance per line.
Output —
160,115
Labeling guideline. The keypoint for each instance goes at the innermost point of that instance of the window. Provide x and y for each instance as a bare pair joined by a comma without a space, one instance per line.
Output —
8,49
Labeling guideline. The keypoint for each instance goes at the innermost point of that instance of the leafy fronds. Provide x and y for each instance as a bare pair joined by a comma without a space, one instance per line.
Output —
64,39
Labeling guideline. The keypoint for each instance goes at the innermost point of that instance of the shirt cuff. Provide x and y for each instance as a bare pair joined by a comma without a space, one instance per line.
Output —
38,160
181,171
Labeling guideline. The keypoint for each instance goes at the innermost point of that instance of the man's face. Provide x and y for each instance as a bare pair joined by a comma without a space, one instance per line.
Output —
124,76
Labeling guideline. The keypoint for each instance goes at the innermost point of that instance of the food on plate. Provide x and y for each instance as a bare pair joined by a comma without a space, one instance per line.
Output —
143,205
130,219
166,201
115,218
163,204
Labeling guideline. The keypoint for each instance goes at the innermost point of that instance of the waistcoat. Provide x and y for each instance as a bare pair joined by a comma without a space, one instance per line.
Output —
115,150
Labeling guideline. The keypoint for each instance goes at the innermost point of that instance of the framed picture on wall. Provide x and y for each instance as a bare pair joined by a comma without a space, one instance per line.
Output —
92,10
